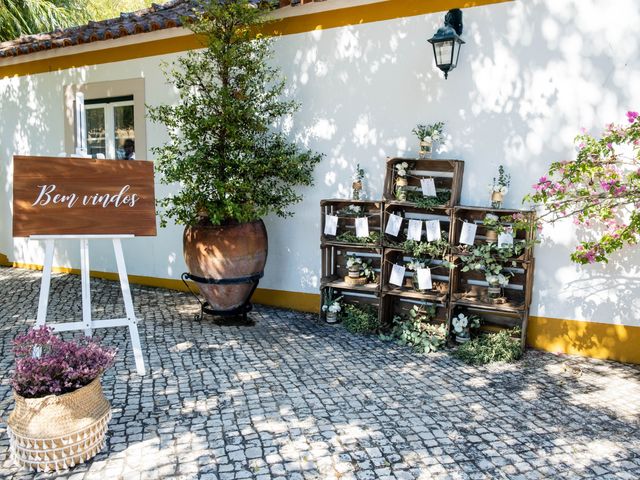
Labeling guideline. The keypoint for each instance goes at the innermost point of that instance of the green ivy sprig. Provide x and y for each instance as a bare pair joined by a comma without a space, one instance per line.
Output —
350,237
442,198
360,319
416,330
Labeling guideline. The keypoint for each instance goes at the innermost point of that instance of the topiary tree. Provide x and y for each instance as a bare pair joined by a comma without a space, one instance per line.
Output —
232,163
599,190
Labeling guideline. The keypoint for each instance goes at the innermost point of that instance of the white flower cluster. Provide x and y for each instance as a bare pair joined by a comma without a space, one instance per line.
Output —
333,308
498,189
415,265
353,262
499,279
401,169
460,323
435,137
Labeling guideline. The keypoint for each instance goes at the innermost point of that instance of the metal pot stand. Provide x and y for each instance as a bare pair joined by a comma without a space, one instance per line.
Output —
205,307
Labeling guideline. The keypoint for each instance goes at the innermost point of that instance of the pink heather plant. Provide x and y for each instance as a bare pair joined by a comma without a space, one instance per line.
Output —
599,190
48,365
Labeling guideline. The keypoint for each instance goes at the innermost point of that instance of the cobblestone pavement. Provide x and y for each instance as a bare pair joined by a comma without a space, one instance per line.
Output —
292,398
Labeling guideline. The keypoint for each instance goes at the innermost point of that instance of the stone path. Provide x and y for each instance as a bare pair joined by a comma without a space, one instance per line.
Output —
292,398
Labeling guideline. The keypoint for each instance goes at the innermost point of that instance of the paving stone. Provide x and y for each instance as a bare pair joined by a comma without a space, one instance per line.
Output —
293,398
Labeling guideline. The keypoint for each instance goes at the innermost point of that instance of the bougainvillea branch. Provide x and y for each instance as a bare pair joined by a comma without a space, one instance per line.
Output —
599,190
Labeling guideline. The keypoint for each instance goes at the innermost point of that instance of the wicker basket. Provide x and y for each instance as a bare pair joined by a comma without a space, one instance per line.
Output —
59,431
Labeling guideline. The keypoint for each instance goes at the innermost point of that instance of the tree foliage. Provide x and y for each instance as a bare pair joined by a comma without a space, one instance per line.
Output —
27,17
231,162
103,9
599,190
22,17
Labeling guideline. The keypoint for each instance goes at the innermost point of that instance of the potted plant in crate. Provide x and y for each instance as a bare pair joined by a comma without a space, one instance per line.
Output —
61,414
356,186
493,261
331,306
232,166
428,135
499,187
359,271
463,325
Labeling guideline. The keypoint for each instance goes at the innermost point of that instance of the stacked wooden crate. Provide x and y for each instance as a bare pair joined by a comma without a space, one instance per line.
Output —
336,248
447,178
453,291
469,289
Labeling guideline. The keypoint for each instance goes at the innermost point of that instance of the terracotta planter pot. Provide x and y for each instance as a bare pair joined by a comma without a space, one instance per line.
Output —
226,252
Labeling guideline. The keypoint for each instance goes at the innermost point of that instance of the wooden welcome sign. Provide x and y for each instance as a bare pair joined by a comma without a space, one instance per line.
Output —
81,196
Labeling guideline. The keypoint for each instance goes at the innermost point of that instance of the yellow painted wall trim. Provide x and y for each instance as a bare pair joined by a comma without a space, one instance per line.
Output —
576,337
356,15
590,339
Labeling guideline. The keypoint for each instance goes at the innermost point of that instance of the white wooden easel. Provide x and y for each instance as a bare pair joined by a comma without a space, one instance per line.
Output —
87,324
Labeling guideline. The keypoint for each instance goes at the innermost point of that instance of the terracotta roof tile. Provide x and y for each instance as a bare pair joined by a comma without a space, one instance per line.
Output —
156,17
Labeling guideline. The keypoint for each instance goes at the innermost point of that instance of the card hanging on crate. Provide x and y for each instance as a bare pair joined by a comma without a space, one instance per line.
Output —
397,275
505,238
428,187
362,227
433,230
424,279
468,234
415,230
330,225
393,225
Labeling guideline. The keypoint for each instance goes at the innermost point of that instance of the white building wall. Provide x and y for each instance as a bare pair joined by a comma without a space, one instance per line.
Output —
531,74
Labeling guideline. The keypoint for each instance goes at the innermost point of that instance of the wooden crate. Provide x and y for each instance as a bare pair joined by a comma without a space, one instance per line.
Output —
476,215
346,223
493,321
447,175
440,276
470,288
352,297
393,305
410,212
334,266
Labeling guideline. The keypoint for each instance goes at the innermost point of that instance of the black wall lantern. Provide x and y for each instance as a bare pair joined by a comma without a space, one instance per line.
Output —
446,42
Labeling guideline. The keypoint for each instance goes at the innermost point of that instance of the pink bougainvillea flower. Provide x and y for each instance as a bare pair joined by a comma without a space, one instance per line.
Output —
631,116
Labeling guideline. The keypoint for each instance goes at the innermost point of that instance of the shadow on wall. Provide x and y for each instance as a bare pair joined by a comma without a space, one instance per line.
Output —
530,76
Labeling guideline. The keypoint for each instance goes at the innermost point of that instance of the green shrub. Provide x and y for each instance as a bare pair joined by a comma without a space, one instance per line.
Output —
494,347
361,319
226,149
416,331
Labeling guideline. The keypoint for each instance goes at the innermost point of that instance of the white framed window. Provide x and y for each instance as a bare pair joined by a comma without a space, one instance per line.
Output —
111,127
112,119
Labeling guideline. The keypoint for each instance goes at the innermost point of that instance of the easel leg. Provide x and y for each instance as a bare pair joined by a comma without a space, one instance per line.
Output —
128,306
86,286
45,285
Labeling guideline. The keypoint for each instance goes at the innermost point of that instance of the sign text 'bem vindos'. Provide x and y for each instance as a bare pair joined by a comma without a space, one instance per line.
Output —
78,196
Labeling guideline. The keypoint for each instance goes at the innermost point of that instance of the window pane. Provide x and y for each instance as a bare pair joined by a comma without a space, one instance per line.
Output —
95,131
124,132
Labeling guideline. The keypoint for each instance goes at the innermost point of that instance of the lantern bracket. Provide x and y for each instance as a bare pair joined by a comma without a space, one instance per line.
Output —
453,19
